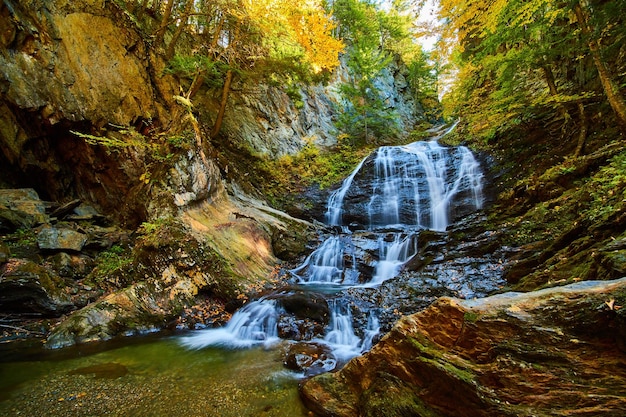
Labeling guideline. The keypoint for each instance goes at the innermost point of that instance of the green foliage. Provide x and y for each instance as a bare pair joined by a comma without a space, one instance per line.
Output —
109,143
287,176
608,189
182,140
191,66
363,114
519,61
21,238
152,228
112,260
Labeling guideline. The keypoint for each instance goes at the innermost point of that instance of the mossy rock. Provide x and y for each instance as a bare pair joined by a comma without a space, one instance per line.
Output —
26,287
389,396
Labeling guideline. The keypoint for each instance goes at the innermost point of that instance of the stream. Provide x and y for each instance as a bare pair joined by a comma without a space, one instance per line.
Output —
337,304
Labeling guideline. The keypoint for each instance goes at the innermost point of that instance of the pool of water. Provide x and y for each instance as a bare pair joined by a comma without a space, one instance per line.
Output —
153,376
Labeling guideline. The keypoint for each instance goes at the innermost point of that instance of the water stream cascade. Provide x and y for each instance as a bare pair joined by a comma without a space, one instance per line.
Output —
375,216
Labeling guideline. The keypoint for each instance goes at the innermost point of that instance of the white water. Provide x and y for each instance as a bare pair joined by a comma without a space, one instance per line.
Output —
326,264
392,255
252,325
412,188
257,324
341,337
334,206
414,184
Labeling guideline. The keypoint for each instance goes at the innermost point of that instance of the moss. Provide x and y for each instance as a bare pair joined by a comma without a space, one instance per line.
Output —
391,397
112,259
470,317
433,356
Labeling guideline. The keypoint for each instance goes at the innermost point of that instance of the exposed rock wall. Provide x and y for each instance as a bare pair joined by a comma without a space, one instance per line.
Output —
68,66
274,123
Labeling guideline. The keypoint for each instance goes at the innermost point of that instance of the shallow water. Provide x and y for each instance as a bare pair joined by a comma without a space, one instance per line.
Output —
153,377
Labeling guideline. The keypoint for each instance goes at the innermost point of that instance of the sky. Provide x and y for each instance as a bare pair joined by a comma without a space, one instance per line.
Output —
428,14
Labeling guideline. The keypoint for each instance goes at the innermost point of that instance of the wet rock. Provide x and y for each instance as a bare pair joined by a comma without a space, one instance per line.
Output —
20,208
143,307
310,358
305,305
292,328
52,238
65,209
86,213
26,287
557,351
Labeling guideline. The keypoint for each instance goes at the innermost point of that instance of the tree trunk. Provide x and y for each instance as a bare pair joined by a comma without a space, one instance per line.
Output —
220,115
582,135
158,37
549,77
609,85
179,29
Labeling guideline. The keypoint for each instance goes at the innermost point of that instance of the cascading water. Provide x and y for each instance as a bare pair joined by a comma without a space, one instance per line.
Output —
380,209
252,325
411,187
392,255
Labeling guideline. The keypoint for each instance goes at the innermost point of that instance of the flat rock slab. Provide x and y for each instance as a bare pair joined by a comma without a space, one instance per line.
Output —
51,238
21,208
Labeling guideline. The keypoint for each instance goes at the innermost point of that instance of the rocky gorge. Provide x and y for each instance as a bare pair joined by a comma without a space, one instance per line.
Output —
120,216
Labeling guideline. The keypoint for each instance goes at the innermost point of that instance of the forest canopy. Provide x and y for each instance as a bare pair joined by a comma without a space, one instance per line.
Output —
212,42
561,63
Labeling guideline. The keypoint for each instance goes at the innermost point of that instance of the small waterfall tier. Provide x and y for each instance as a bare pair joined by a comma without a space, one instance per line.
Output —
422,185
252,325
257,324
415,184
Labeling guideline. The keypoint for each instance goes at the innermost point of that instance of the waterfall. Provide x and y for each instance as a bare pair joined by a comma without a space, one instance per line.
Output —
371,331
254,324
415,184
335,201
392,195
410,186
326,264
392,255
341,337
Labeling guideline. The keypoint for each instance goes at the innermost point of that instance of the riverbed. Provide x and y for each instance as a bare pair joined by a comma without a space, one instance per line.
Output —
148,376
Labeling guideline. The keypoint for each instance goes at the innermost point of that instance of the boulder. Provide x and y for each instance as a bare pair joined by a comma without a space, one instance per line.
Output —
558,351
52,238
26,287
305,305
20,208
142,307
310,358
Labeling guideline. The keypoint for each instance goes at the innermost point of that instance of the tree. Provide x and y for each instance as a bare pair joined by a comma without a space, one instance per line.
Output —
374,39
235,37
519,59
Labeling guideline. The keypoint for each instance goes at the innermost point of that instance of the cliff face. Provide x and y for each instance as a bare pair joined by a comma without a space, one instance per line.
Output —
75,67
